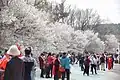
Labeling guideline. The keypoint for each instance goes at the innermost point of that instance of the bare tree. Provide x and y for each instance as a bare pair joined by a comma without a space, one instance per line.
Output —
84,19
71,18
42,5
4,3
59,12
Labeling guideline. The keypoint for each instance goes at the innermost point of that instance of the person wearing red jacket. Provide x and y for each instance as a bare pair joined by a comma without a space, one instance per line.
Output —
50,65
3,63
56,64
109,63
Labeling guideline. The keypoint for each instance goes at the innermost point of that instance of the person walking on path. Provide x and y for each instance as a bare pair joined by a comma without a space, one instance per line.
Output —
109,63
50,64
106,60
65,63
102,62
56,64
3,63
112,61
4,60
86,64
78,58
29,64
94,64
98,63
15,68
42,64
82,63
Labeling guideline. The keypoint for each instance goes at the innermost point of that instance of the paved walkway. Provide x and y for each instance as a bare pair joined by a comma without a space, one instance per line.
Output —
116,69
76,74
115,73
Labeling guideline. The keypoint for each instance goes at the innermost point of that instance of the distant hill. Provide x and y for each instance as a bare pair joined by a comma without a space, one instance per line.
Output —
104,29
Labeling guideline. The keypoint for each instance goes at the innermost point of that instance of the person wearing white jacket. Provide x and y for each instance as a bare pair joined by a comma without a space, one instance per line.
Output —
93,64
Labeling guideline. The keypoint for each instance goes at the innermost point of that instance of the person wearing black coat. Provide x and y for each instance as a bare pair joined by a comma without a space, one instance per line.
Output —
15,68
29,64
56,65
102,62
42,65
86,64
81,63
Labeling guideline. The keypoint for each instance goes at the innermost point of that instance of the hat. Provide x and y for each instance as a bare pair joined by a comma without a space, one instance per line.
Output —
13,50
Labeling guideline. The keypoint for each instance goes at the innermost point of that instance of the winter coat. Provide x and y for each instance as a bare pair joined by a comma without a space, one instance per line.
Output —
81,60
56,64
102,60
109,63
87,62
50,60
4,61
79,57
93,61
29,64
65,62
41,62
15,69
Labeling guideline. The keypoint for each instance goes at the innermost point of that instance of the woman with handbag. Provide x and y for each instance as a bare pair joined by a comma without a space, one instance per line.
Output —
56,65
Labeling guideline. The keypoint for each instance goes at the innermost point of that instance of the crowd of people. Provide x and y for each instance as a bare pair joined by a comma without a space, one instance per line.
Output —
15,66
57,65
60,64
95,62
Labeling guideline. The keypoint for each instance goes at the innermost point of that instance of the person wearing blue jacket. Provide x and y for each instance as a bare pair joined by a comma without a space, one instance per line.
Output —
65,63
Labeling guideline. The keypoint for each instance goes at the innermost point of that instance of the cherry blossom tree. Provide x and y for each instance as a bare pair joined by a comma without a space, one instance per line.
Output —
21,21
58,35
94,44
111,43
23,24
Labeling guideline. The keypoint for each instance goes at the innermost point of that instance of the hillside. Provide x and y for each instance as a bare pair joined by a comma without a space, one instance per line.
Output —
104,29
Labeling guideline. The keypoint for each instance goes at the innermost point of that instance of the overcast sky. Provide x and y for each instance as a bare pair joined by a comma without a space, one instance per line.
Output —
108,9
